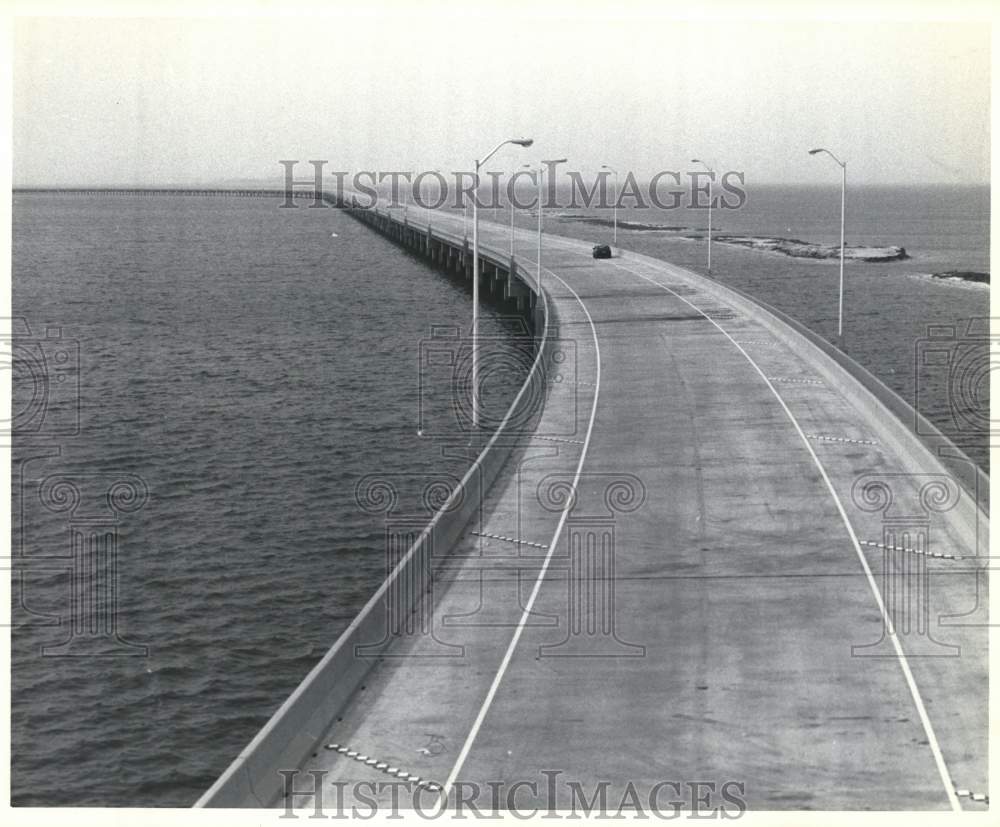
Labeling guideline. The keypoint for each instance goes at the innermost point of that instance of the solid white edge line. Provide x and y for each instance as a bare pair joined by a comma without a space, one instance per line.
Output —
890,629
502,669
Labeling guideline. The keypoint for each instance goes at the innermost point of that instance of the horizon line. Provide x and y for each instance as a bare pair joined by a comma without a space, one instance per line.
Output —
278,183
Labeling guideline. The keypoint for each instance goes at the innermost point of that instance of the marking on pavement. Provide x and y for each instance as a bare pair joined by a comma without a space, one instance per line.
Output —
795,381
558,439
904,664
508,539
734,341
890,628
384,766
935,554
822,438
527,609
983,797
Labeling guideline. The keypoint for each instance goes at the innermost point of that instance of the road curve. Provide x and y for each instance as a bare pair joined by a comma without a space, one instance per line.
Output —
717,559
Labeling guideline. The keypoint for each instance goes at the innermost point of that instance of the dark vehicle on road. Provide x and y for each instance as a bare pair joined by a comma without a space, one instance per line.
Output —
602,251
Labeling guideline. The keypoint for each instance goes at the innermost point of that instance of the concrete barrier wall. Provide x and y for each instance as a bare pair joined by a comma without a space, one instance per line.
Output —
294,731
975,481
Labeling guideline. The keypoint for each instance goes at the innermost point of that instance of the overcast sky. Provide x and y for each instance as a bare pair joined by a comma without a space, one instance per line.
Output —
178,101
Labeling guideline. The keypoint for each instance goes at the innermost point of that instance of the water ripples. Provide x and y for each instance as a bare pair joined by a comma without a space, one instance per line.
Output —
251,370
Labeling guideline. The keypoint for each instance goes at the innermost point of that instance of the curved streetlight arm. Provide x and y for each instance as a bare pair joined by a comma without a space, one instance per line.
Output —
519,141
827,151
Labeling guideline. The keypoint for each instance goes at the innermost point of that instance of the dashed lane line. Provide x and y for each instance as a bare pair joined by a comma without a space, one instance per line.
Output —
790,381
509,539
823,438
558,439
981,797
758,342
922,553
384,766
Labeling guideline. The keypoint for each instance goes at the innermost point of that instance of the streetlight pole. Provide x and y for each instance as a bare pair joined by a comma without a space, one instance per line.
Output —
711,177
541,175
525,142
843,205
538,254
605,166
513,185
428,210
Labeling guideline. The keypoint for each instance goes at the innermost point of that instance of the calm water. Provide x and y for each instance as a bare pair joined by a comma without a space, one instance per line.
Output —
251,369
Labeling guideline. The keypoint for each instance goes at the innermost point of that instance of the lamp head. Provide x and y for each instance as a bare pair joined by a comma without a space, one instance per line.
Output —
836,160
526,142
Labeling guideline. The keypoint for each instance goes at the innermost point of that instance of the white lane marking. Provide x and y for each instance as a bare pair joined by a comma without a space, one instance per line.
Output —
508,539
822,438
383,766
558,439
890,628
756,342
901,657
983,797
495,685
923,553
795,381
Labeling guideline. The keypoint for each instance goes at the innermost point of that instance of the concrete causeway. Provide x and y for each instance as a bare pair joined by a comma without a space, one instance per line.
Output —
714,555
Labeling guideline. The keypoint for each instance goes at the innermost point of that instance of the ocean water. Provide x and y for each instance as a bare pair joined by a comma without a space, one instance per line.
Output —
894,312
250,369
